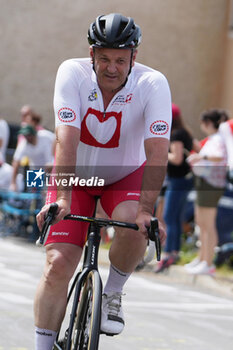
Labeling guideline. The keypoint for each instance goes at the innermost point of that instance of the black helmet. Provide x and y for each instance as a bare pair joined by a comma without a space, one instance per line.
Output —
114,31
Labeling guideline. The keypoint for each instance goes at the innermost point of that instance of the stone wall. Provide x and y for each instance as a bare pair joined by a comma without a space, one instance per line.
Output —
227,90
186,40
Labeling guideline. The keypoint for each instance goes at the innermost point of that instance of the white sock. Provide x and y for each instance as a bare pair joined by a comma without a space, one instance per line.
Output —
116,280
44,339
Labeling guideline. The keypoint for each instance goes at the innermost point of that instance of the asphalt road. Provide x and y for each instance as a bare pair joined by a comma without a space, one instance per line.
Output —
159,316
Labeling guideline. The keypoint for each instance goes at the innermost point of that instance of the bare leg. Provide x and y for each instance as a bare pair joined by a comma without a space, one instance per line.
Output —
198,221
206,219
50,299
128,246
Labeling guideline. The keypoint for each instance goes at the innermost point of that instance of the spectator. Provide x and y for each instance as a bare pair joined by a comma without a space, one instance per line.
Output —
226,131
25,111
209,166
6,173
4,138
25,115
35,120
28,116
179,183
38,147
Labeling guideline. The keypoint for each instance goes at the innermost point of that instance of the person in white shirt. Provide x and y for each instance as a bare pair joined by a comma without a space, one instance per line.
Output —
6,173
226,131
38,146
4,137
209,166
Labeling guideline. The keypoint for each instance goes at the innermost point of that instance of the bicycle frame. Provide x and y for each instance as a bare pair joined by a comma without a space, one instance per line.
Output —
90,262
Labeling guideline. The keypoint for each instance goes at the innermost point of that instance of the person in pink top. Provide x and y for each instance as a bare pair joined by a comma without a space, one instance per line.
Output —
209,167
226,131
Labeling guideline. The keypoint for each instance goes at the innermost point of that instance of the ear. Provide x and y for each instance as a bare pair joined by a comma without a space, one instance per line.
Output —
134,57
91,53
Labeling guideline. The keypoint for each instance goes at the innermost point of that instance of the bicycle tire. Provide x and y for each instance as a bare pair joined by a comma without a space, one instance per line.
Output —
85,330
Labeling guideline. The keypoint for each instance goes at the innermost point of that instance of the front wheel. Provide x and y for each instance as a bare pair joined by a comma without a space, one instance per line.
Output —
84,333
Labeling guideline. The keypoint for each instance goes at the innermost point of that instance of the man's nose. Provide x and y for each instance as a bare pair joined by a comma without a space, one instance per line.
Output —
111,67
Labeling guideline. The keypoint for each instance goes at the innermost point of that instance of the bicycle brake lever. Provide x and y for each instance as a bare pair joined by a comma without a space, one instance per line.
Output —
47,223
153,234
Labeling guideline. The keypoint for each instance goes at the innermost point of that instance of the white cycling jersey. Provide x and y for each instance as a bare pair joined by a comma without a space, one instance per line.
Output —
113,137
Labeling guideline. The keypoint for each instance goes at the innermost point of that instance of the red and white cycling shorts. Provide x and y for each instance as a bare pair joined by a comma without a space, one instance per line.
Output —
83,203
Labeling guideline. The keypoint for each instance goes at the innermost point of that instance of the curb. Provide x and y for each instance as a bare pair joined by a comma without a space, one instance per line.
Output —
177,274
206,283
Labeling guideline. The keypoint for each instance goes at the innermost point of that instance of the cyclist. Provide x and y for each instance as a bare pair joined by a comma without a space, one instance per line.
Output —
112,116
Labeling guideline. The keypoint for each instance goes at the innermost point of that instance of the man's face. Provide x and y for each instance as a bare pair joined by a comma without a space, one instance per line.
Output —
111,67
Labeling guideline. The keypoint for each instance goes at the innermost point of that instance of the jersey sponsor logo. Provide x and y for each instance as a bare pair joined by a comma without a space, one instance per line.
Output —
93,95
60,233
129,98
100,129
160,127
133,194
121,99
66,115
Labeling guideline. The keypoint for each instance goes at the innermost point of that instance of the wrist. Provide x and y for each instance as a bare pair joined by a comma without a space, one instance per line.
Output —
148,210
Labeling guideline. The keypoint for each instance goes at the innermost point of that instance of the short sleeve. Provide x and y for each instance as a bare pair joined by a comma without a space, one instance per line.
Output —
21,150
66,95
158,111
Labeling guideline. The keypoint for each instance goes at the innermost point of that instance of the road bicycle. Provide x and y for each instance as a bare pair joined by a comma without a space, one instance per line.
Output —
85,294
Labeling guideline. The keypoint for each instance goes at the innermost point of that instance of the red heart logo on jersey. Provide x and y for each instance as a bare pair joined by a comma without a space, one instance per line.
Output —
100,129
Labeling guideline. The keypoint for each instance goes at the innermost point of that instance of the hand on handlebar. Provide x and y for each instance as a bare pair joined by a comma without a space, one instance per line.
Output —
153,230
62,210
143,221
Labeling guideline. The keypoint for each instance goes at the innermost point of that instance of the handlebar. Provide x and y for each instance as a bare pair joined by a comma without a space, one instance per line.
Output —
153,230
153,234
47,223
